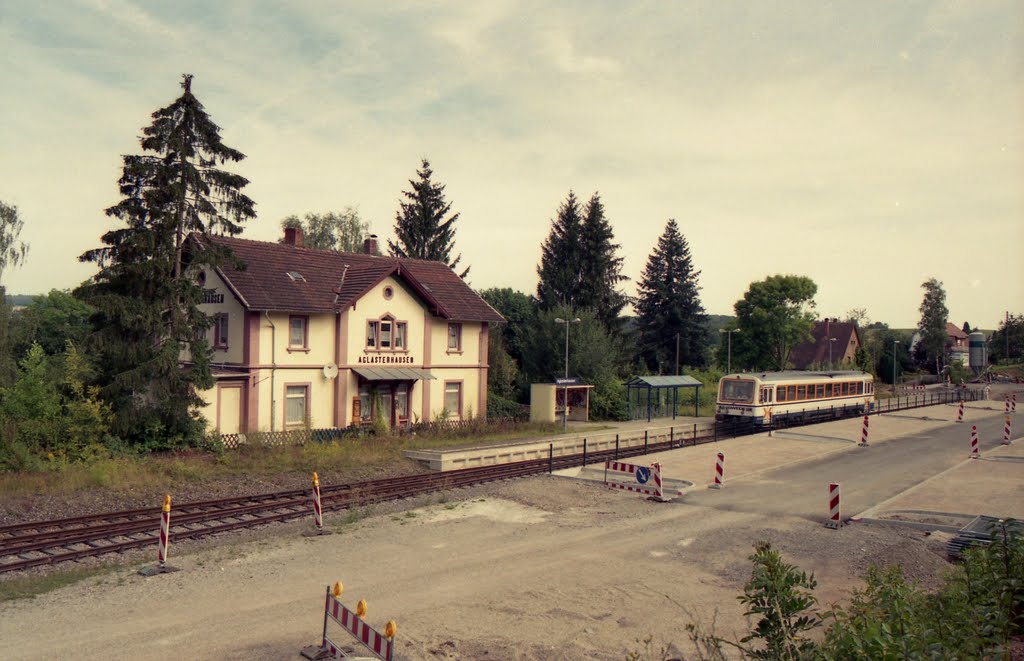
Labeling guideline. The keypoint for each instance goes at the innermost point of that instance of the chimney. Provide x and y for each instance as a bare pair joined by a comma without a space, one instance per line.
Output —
293,236
370,245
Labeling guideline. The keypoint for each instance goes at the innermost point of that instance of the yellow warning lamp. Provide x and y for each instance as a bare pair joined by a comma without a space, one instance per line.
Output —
390,629
316,479
337,589
167,503
361,609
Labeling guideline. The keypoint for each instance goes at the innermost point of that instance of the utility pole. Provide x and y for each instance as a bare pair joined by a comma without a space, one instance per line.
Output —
677,354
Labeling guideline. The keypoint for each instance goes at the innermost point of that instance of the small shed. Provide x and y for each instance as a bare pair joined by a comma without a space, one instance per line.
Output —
649,395
548,401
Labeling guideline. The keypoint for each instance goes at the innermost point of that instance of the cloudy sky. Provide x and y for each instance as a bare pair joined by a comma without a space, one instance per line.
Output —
868,145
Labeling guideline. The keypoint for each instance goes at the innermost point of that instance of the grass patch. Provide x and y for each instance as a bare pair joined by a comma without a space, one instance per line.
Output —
30,588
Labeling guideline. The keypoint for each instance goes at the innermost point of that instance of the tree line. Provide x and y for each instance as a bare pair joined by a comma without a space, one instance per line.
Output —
102,363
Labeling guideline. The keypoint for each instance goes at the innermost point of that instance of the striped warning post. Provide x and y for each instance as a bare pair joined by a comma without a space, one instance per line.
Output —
834,516
380,645
960,413
719,472
656,470
1013,403
165,532
864,434
318,512
1007,407
1006,430
974,442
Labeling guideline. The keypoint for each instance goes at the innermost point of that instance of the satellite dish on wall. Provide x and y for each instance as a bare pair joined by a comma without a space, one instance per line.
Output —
330,371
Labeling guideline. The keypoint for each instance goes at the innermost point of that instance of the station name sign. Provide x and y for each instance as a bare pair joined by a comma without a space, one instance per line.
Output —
574,381
385,360
210,297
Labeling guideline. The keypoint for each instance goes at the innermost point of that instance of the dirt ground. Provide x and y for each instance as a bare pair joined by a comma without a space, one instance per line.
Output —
538,568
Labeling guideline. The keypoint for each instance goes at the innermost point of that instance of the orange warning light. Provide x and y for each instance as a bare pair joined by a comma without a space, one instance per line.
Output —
337,589
316,479
390,629
167,503
361,609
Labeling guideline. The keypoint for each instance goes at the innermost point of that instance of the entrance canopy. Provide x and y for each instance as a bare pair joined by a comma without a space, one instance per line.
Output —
656,390
393,373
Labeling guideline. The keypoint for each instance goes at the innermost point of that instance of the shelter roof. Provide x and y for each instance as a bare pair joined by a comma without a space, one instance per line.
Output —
684,381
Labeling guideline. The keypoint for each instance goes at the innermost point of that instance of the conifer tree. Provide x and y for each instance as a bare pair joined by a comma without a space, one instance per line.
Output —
579,264
560,258
147,315
668,304
600,267
422,225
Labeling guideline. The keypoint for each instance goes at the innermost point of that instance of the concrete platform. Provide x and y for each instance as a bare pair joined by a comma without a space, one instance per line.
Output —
629,435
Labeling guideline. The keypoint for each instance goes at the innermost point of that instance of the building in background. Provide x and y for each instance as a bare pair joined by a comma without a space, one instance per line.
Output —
833,345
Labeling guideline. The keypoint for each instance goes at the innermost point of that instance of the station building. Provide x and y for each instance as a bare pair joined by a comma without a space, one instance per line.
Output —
310,339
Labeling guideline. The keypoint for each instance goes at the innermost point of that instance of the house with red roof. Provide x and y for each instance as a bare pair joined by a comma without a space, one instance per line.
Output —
833,345
308,338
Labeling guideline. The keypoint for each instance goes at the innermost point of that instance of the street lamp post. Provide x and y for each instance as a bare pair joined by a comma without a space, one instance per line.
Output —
565,392
831,341
729,332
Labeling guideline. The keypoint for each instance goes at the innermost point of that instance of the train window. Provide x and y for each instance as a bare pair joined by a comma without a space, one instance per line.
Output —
801,392
860,387
828,389
782,393
820,390
845,389
791,393
737,390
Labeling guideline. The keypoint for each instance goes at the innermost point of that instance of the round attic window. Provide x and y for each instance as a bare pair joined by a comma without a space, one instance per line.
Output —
388,293
201,278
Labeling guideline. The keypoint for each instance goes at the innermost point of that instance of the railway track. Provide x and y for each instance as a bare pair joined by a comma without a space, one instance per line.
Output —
38,543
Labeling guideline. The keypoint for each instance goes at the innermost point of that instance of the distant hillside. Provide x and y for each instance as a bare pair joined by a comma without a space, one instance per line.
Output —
19,300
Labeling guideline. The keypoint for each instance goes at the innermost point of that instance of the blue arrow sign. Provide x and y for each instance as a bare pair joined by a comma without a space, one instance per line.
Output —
643,474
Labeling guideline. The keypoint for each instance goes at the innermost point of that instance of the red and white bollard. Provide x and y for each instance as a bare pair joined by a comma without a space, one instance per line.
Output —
1006,431
1006,409
1013,403
719,472
659,494
318,512
834,516
960,413
864,434
165,532
974,442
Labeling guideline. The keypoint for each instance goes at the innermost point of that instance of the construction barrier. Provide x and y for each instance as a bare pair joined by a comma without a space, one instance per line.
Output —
834,516
642,478
318,512
1006,430
960,413
380,645
864,434
165,532
974,442
719,472
163,542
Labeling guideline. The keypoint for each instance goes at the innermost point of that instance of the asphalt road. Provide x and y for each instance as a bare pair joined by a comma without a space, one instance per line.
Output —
868,475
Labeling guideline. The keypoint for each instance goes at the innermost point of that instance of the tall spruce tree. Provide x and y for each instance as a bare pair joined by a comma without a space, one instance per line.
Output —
579,265
148,315
423,226
600,267
668,305
560,257
934,315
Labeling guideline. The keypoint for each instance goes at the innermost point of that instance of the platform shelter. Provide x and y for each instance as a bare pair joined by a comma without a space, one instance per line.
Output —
654,396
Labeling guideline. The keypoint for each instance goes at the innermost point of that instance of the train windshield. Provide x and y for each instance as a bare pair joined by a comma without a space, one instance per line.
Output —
737,391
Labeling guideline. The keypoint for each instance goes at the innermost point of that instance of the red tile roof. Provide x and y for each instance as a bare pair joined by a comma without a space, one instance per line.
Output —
815,350
325,283
953,331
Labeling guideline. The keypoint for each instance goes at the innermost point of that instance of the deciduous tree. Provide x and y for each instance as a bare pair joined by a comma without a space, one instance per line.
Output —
668,305
774,315
12,253
931,348
343,231
148,313
424,224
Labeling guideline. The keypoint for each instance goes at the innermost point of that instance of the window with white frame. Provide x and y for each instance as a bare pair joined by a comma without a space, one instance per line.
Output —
453,399
387,334
454,337
402,402
296,405
298,332
220,331
365,404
